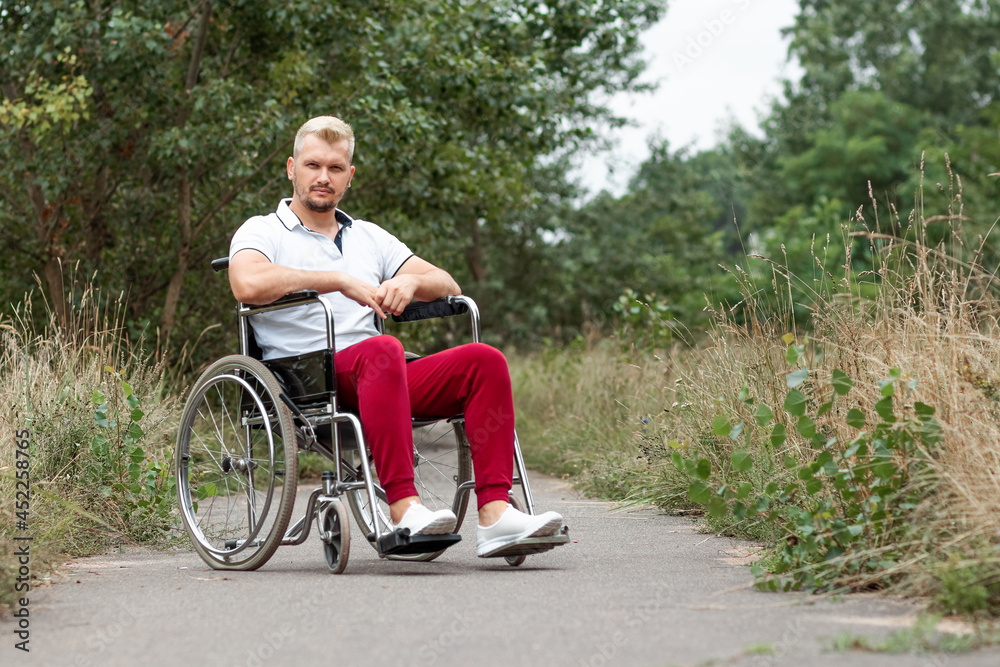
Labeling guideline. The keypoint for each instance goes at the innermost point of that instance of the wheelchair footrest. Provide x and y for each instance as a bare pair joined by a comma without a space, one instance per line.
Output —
531,545
400,542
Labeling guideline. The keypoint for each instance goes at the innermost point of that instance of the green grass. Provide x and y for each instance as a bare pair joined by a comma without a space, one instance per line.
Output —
587,414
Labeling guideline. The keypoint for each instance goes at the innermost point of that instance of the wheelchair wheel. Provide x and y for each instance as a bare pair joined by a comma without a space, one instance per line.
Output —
441,464
336,536
237,464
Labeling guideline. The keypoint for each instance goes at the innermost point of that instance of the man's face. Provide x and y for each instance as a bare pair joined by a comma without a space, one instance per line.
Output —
320,174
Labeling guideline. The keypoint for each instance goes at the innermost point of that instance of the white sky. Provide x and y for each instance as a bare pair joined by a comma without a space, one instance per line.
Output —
714,61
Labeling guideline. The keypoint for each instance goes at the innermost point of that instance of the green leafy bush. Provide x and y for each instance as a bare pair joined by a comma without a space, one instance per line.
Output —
144,487
645,323
840,506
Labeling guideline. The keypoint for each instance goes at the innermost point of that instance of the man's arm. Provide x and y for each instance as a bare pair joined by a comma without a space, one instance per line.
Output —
416,279
255,280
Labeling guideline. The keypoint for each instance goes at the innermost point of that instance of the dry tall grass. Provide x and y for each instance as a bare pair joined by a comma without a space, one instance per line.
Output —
935,315
931,311
48,374
580,413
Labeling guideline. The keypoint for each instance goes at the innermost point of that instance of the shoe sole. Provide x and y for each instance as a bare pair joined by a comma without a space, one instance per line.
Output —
528,546
443,525
547,529
550,527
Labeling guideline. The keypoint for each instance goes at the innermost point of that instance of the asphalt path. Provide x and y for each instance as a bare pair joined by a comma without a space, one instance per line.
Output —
634,587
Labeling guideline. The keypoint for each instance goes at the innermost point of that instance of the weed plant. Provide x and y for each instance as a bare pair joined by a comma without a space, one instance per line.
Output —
921,639
101,431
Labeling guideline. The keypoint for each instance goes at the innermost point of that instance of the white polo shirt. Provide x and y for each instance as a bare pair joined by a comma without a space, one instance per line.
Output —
369,253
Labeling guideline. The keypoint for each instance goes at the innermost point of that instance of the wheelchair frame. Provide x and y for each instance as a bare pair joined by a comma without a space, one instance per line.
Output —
264,407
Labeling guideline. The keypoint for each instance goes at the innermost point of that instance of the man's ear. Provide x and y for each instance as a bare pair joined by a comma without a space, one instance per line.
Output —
290,167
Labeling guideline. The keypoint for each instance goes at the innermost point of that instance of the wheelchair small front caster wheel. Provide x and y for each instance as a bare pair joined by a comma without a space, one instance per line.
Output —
514,561
336,536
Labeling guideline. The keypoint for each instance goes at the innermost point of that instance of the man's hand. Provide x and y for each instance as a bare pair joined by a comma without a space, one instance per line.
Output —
395,294
363,293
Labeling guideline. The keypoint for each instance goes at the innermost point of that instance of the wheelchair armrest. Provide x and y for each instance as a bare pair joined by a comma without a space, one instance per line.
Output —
290,300
425,310
293,297
222,263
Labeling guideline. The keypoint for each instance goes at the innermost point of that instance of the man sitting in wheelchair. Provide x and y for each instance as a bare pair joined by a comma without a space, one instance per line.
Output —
309,244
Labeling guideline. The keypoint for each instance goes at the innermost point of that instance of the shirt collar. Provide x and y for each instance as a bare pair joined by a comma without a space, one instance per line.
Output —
291,221
344,219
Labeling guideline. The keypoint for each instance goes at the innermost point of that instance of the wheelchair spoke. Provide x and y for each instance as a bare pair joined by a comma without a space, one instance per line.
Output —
437,481
437,461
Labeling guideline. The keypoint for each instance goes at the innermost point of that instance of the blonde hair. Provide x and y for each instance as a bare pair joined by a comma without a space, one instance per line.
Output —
328,128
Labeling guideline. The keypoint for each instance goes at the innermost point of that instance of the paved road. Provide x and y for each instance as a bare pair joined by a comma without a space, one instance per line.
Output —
634,588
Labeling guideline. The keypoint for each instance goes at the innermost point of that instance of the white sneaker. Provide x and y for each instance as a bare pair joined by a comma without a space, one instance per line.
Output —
422,521
512,527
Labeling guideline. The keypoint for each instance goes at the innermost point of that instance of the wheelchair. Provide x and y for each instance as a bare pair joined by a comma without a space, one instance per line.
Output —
245,423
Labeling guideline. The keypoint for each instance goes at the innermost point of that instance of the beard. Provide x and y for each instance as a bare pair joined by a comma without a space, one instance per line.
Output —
318,206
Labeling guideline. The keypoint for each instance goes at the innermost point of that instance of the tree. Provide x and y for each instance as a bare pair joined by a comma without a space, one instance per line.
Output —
884,83
124,146
938,56
869,147
140,134
664,240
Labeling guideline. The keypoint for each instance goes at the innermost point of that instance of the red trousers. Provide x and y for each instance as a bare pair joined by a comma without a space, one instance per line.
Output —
374,378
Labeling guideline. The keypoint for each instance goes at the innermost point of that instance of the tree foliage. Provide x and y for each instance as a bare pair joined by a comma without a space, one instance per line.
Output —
663,241
888,90
939,56
896,111
139,135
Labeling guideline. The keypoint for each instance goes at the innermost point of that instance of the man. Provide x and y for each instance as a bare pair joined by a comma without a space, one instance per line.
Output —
308,243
